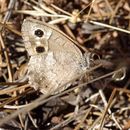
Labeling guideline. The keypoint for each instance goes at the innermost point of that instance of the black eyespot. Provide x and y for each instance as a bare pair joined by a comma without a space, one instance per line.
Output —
39,33
40,49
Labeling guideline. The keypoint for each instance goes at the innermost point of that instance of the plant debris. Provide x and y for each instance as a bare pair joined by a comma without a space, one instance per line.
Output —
100,101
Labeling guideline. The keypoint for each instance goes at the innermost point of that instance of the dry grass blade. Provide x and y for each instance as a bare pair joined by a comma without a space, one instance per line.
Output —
42,100
111,27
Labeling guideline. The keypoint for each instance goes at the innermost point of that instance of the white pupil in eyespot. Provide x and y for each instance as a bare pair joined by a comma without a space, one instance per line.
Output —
39,33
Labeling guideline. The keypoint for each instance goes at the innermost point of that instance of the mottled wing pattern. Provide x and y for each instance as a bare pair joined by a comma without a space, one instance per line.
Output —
55,59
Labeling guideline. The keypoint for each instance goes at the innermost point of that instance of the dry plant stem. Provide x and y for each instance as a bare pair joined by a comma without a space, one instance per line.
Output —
85,116
58,20
1,62
109,6
9,67
104,100
76,109
50,13
95,95
92,4
41,100
12,99
123,90
13,89
104,40
69,32
111,27
109,111
9,12
6,18
85,9
11,29
115,11
70,119
13,83
59,9
42,13
108,107
115,120
26,123
9,100
15,107
31,106
98,12
124,109
83,119
95,123
34,7
62,124
21,120
44,7
32,120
